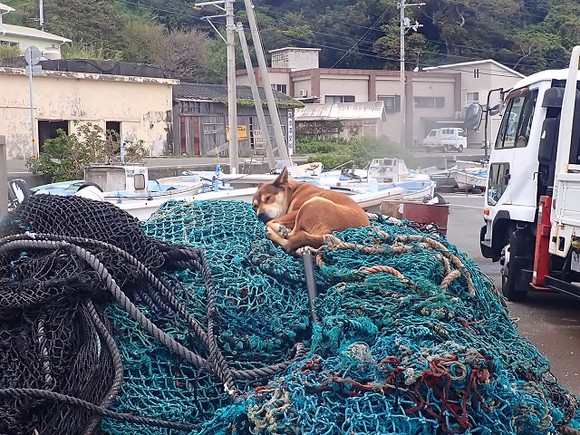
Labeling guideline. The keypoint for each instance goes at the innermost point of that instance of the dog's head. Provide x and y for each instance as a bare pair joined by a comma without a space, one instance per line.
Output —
272,199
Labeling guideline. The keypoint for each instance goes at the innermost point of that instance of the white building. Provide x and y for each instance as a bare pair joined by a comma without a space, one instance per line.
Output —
22,37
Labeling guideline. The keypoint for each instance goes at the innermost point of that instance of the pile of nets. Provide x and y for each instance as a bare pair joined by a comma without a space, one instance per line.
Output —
193,322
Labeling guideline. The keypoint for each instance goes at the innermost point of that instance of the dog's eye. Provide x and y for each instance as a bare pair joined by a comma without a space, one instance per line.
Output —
267,198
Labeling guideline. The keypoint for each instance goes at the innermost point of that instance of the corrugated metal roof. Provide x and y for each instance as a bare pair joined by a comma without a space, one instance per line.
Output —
12,30
353,111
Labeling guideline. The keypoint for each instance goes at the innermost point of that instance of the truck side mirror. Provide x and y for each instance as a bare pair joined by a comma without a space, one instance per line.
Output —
473,115
494,110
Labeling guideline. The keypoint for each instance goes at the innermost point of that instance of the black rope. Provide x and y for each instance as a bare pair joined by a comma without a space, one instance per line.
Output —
196,258
117,364
52,395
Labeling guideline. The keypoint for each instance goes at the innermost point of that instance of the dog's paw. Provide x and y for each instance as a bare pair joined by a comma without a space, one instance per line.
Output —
279,229
282,231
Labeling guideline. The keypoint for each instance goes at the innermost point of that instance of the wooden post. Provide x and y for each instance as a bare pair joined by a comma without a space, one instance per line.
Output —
3,177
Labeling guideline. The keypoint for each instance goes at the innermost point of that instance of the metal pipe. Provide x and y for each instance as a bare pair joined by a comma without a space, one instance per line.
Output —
310,282
3,177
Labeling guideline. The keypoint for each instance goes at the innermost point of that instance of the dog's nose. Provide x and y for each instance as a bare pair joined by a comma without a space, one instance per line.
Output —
263,217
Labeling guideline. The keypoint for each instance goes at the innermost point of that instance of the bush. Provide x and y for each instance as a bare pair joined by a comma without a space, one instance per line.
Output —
359,151
65,157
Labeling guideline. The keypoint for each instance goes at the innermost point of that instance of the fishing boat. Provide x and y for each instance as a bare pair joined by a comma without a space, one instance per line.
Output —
123,186
389,170
470,178
443,176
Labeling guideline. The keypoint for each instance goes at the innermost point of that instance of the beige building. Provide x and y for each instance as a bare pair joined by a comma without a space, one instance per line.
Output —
138,107
434,97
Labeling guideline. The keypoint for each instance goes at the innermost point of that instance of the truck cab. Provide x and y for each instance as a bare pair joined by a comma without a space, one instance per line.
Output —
532,175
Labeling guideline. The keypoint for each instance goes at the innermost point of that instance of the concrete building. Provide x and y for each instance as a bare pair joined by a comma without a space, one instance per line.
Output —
434,97
127,98
22,37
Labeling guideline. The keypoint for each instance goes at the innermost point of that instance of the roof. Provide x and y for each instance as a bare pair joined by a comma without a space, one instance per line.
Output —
219,93
5,8
344,111
294,48
29,32
466,66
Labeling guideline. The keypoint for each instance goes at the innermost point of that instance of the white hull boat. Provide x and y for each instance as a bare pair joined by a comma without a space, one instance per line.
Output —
142,203
470,178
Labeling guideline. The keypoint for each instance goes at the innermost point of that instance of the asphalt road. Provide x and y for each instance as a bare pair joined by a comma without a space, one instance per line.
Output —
551,321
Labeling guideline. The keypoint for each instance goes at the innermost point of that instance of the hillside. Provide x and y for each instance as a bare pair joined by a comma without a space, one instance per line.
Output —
527,35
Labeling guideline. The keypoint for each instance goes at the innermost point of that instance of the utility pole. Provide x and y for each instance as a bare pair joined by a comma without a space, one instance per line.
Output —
256,96
273,111
232,88
231,79
405,24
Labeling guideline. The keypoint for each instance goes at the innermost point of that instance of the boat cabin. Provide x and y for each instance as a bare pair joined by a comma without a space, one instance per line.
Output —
109,178
388,170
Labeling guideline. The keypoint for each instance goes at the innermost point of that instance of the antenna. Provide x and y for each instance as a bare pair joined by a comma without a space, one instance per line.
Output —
41,14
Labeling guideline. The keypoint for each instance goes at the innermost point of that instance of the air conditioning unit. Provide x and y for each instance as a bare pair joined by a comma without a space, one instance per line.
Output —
303,92
458,115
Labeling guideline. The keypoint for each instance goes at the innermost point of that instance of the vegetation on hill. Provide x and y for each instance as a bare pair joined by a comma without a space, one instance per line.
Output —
527,35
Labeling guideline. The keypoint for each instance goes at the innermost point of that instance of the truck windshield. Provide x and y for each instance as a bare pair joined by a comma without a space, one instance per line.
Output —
516,122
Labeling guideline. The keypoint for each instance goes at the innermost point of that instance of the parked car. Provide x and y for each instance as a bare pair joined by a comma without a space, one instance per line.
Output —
445,139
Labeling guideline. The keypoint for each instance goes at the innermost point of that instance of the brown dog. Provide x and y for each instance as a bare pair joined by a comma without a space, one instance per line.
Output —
300,214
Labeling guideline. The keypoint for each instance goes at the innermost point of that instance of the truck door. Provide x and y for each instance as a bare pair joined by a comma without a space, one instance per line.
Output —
513,166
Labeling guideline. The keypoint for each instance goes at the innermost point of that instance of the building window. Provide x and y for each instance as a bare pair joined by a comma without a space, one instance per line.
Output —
392,102
9,44
113,131
49,130
280,88
339,99
472,97
195,107
476,73
429,102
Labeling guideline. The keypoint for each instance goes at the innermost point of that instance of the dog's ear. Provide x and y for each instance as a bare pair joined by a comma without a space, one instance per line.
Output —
282,178
260,185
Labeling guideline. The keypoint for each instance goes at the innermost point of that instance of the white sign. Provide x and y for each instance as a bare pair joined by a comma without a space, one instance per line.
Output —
290,137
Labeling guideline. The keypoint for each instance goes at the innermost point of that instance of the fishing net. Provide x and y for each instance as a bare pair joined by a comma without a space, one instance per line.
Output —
193,322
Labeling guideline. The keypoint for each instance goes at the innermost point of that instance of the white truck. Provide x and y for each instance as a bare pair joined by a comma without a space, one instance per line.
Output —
445,139
532,201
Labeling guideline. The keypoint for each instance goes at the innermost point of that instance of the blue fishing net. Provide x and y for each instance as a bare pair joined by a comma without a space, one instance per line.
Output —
216,336
412,338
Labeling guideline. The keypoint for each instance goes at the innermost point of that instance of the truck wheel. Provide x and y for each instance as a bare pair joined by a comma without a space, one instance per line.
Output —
512,286
460,149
